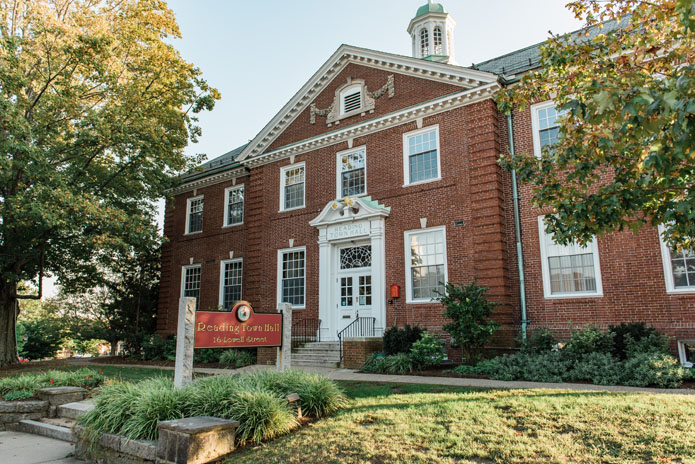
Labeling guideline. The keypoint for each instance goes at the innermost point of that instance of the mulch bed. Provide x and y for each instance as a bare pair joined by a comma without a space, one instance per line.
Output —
140,362
439,372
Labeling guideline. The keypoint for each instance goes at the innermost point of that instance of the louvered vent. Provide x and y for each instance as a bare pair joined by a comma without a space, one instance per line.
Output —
352,102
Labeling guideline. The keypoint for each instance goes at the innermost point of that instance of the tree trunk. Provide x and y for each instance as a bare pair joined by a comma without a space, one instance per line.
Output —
114,346
8,321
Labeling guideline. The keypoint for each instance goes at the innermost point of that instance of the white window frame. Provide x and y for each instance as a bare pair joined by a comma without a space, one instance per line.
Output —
184,269
279,274
339,173
668,269
545,267
188,213
227,193
535,125
223,263
347,91
408,272
406,155
283,170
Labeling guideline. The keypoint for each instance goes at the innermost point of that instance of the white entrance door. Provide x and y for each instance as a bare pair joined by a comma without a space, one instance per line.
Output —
354,282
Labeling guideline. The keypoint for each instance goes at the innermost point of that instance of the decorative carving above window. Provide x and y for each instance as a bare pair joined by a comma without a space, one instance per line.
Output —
356,257
333,113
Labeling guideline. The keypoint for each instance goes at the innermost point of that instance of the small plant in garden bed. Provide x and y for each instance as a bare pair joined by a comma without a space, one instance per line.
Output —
256,400
86,378
19,395
426,352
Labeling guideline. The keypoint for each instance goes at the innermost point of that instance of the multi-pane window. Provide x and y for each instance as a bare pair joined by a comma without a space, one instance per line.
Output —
365,290
191,284
232,271
424,43
352,173
437,37
234,213
679,267
356,257
425,263
292,195
421,160
546,125
683,269
569,269
292,276
194,222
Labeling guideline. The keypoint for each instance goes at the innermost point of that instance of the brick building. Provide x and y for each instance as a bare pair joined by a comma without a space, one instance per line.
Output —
382,171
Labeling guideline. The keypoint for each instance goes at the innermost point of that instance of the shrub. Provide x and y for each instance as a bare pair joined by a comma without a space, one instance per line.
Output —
541,340
262,415
653,343
600,368
635,330
44,337
237,358
654,369
589,339
19,395
547,367
427,352
470,313
689,375
400,340
207,355
484,367
156,348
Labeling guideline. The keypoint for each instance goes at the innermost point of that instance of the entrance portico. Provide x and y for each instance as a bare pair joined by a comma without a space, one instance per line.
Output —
352,273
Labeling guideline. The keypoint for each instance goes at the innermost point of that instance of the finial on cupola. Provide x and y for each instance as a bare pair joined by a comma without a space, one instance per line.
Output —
432,33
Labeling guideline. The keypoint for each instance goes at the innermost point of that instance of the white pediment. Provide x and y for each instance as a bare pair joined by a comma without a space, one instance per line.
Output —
347,219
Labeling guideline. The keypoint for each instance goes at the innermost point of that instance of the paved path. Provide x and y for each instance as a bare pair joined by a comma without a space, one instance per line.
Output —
351,375
24,448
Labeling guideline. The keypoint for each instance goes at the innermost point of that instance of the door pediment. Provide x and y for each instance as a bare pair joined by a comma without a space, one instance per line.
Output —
351,211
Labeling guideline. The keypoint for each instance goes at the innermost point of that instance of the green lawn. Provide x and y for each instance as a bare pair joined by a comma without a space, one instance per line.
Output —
393,423
131,374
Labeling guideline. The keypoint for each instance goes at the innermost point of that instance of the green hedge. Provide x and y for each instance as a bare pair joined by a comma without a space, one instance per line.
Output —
256,400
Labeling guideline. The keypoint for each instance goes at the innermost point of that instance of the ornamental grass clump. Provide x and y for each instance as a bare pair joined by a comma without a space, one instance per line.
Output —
86,378
258,401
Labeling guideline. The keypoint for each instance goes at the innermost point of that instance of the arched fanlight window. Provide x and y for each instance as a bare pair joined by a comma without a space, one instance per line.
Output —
438,47
424,43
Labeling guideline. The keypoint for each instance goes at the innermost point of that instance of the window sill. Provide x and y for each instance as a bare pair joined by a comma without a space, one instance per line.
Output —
573,296
228,226
421,182
681,291
291,209
419,302
193,233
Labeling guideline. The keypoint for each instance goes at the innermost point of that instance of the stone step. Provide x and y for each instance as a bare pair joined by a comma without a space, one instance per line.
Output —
317,352
316,357
75,410
330,345
317,348
46,430
314,363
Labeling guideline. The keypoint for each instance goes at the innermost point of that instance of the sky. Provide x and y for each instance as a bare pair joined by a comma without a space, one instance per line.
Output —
259,53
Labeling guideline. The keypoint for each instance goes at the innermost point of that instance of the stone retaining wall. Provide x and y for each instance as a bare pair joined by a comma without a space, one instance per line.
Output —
15,411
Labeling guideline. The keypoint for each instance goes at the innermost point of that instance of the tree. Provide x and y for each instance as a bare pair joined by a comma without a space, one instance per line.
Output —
626,151
96,107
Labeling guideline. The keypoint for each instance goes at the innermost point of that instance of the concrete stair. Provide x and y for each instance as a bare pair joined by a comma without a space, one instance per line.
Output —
60,427
317,354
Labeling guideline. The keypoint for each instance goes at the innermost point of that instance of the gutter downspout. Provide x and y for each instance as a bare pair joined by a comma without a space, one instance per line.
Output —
517,230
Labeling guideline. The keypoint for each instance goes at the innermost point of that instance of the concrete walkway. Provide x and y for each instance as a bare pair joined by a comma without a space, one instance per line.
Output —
24,448
351,375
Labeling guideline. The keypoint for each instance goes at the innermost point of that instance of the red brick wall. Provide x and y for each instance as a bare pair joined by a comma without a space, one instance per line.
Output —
409,91
634,285
357,350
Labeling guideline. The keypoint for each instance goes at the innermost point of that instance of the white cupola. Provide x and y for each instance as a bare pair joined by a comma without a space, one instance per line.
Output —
432,33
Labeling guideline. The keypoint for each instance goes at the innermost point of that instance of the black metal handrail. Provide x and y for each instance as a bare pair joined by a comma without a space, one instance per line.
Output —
360,327
305,331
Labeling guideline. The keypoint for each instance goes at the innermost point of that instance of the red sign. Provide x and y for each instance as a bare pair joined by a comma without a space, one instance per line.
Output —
240,328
